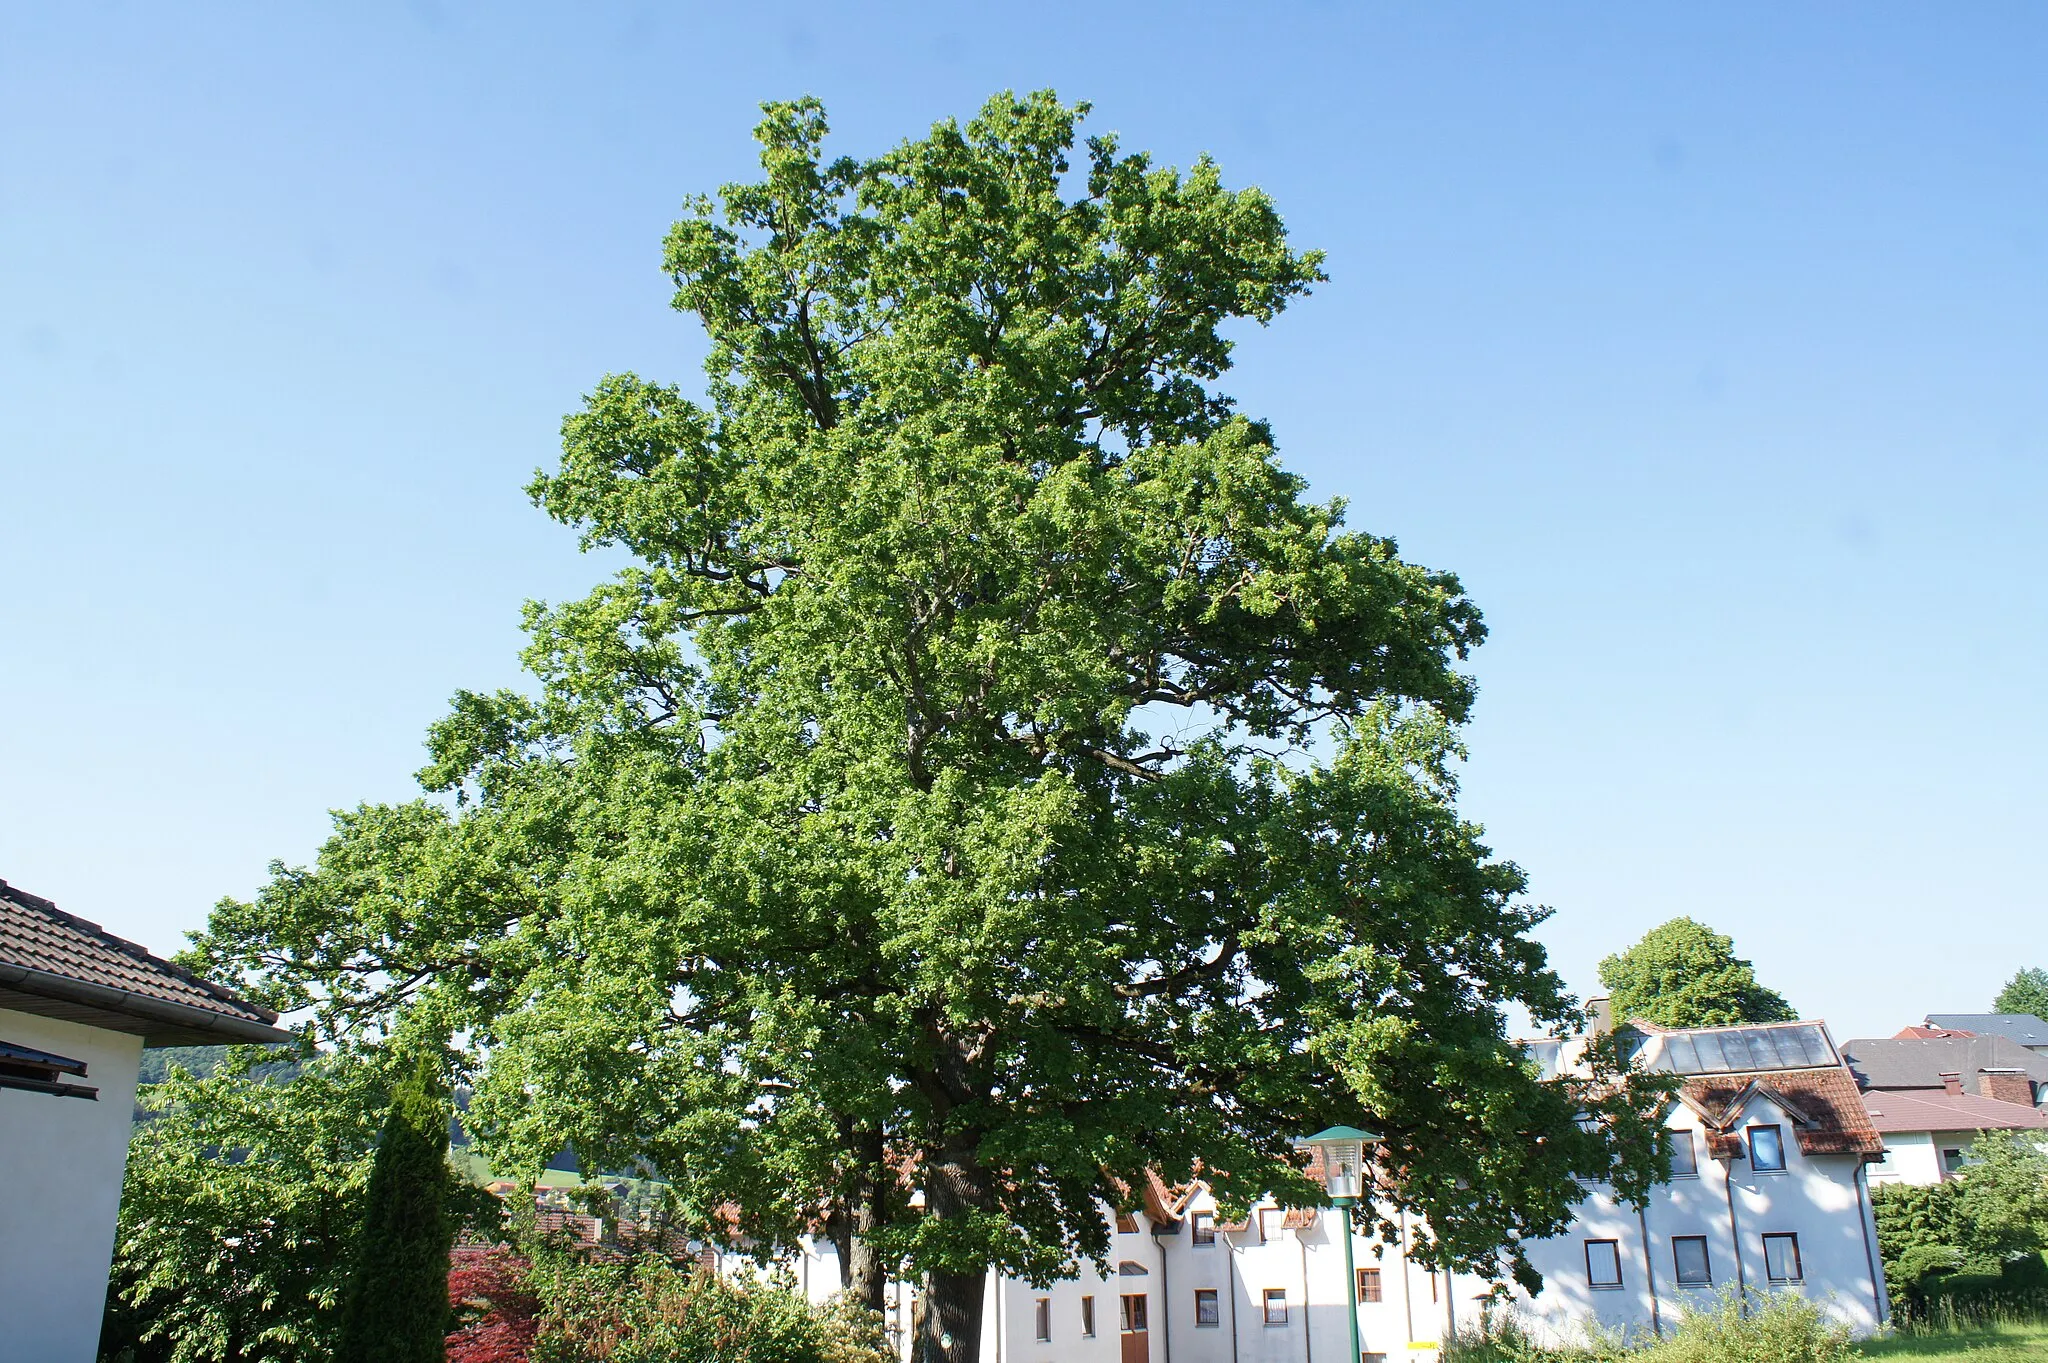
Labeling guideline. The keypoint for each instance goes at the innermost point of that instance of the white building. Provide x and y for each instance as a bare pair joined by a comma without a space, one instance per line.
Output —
77,1007
1928,1135
1770,1143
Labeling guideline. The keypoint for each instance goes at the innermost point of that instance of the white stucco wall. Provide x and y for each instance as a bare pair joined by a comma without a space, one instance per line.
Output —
64,1162
1818,1199
1910,1157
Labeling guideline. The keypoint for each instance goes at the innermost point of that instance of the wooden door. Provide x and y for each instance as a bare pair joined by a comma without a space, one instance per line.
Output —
1133,1328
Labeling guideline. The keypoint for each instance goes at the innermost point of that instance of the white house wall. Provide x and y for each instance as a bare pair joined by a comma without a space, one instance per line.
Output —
1818,1198
1909,1157
65,1158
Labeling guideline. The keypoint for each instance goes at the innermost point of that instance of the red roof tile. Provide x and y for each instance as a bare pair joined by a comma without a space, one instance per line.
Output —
1925,1110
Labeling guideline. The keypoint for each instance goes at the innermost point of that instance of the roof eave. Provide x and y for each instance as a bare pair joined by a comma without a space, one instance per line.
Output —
159,1022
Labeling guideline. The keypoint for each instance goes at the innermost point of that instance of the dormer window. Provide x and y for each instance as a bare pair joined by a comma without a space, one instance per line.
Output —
1766,1149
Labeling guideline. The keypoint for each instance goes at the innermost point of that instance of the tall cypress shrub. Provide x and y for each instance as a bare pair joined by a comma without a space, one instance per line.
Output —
396,1308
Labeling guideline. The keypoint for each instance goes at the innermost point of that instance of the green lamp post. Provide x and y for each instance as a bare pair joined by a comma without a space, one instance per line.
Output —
1343,1151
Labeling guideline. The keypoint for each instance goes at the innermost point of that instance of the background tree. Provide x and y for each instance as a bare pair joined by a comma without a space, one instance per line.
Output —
396,1307
2025,992
1684,974
991,765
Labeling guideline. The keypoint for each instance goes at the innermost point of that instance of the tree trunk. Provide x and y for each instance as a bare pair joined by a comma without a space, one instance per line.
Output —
955,1186
950,1331
851,1226
867,1280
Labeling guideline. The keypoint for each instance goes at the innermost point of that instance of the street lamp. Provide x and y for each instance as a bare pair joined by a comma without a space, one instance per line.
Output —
1343,1151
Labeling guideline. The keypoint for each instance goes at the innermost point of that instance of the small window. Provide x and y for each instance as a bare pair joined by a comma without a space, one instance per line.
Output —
1088,1317
1131,1268
1685,1160
1135,1313
1781,1258
1276,1306
1689,1259
1603,1263
1271,1222
1126,1224
1041,1319
1202,1228
1372,1358
1766,1148
1369,1284
1206,1312
1951,1162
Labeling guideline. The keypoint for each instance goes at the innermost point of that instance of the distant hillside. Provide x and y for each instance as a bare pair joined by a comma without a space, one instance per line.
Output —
201,1060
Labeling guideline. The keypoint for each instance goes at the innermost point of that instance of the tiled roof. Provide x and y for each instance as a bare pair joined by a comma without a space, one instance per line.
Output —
1827,1113
1899,1112
54,963
1926,1034
1919,1062
2024,1028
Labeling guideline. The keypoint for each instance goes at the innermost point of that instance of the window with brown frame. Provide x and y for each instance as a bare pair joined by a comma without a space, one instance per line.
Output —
1690,1262
1202,1228
1781,1258
1766,1149
1603,1264
1369,1284
1208,1313
1276,1306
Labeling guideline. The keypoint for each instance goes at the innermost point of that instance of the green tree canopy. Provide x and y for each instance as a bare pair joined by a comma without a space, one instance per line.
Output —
1684,974
990,766
239,1212
2025,992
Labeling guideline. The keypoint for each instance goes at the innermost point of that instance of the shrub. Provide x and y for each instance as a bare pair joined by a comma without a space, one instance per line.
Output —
1968,1247
497,1314
1778,1328
655,1312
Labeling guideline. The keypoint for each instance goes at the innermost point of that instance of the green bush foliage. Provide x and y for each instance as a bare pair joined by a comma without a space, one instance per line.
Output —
1970,1247
396,1308
1779,1328
237,1215
653,1311
1774,1328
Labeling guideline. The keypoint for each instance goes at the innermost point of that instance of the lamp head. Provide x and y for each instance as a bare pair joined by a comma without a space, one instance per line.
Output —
1343,1150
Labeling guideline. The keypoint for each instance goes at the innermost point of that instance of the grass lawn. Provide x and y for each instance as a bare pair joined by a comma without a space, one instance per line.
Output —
1992,1344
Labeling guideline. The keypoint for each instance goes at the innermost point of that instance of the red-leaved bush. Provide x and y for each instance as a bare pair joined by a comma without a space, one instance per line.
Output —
499,1313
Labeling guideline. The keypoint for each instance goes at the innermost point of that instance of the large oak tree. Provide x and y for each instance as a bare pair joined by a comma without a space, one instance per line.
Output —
991,776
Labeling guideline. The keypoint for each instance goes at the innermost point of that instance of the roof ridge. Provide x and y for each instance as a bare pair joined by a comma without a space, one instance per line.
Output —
133,950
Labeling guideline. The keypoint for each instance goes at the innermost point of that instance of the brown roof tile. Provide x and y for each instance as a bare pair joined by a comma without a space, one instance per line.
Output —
42,948
1827,1112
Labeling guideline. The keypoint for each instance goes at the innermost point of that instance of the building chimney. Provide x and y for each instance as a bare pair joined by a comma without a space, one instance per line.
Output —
2007,1086
1600,1013
1951,1083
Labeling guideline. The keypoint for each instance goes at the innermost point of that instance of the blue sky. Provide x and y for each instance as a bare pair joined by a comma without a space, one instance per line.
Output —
1708,344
